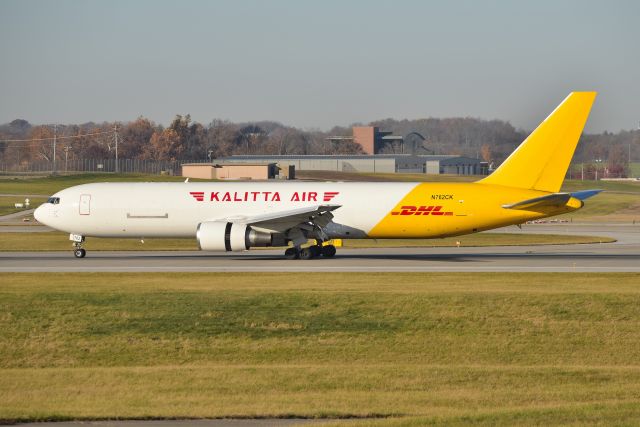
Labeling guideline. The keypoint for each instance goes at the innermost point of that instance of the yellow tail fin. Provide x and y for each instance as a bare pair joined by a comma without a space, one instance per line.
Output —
542,160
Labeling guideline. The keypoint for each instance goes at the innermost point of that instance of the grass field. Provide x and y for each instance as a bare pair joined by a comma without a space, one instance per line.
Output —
7,203
608,207
441,349
54,241
49,185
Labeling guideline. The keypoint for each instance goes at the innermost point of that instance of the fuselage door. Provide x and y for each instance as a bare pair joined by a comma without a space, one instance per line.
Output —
85,204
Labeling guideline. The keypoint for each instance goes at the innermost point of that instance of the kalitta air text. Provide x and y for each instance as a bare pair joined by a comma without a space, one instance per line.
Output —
263,196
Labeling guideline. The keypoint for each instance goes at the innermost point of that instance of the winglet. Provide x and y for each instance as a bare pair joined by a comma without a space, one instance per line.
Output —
542,160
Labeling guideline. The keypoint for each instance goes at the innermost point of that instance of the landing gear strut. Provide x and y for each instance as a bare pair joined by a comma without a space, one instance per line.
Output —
78,251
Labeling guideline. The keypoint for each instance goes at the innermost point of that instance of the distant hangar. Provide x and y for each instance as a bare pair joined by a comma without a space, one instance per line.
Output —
379,163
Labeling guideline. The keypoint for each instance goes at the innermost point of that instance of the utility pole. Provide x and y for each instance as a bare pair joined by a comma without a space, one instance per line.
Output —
66,153
597,162
115,132
633,139
55,135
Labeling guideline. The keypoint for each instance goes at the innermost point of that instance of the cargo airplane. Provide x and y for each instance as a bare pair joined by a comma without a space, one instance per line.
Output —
236,216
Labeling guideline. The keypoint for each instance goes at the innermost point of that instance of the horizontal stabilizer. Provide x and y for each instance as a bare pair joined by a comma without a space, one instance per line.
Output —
551,200
584,195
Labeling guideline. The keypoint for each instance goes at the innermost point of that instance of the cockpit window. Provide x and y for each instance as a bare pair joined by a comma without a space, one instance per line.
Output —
54,200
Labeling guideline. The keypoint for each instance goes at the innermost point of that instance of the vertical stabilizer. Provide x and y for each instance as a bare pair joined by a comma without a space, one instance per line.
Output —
542,160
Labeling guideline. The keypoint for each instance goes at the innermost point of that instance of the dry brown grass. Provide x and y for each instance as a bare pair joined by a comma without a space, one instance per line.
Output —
488,349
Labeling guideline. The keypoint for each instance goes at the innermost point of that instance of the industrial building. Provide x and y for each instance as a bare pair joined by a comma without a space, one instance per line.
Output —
370,138
381,163
234,170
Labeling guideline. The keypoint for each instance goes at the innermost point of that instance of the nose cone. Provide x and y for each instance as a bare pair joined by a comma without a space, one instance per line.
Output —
39,214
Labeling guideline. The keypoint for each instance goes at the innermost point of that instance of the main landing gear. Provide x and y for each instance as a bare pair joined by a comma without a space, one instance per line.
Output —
311,252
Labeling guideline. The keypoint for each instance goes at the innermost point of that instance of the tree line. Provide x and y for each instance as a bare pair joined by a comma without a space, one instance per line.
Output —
184,139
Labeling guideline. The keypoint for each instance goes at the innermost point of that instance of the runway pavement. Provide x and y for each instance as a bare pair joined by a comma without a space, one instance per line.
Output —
622,256
574,258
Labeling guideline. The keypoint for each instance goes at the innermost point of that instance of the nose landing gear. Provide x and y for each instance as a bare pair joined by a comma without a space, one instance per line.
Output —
78,251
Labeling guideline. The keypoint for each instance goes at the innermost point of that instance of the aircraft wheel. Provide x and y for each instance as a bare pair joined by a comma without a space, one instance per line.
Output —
79,253
307,253
291,253
328,251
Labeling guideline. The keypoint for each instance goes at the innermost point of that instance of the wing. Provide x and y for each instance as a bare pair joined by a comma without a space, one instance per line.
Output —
282,221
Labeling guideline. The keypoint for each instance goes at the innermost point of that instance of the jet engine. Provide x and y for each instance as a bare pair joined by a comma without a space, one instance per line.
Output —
229,236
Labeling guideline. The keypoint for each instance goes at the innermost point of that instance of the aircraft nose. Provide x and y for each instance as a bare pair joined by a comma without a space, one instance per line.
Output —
39,213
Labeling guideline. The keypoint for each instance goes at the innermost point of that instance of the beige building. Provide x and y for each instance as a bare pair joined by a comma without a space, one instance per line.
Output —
234,171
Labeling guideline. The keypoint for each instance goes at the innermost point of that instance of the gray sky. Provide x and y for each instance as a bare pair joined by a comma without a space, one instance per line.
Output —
314,64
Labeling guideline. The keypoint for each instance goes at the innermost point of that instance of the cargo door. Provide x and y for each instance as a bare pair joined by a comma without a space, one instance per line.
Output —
85,204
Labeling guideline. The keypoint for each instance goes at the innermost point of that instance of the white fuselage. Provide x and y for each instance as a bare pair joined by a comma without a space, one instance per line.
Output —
176,209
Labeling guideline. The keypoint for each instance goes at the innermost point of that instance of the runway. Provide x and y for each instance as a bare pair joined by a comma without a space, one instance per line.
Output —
621,256
574,258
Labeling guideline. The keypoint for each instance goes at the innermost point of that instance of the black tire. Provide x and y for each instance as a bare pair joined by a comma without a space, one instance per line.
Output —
291,253
316,250
79,253
328,251
306,253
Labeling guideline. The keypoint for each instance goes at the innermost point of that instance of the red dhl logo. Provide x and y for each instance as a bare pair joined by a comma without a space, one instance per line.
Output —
421,210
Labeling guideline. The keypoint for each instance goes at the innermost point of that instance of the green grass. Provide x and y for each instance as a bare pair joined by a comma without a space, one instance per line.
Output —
620,201
445,349
594,414
54,241
607,186
610,207
50,185
7,203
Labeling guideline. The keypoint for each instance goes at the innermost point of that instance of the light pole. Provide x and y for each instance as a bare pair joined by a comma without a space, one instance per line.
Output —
55,136
66,153
597,161
115,133
633,139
